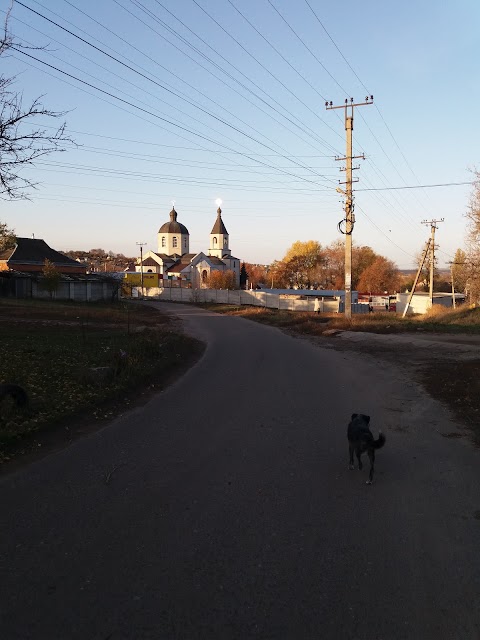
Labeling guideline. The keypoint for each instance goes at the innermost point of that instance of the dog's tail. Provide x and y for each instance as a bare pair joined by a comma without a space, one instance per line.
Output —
378,444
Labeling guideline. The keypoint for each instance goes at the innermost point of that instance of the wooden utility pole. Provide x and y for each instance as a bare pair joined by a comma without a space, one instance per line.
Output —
433,227
349,220
141,245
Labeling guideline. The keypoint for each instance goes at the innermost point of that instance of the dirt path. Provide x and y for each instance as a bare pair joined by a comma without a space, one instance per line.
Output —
446,365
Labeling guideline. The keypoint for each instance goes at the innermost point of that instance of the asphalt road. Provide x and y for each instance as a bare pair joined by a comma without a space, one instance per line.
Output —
224,508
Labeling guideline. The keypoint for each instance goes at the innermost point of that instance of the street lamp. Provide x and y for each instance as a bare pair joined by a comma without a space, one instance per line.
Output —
141,245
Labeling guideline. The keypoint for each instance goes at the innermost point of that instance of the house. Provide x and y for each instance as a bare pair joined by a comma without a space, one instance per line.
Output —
29,255
174,262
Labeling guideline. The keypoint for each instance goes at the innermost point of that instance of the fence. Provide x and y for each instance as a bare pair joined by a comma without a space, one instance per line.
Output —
78,290
266,299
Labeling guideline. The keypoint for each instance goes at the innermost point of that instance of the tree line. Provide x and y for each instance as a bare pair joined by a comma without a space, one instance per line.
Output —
308,265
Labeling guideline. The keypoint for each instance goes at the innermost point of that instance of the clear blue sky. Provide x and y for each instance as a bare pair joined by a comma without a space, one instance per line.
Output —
229,118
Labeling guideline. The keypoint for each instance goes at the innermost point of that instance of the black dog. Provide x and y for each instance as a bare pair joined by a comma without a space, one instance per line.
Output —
360,439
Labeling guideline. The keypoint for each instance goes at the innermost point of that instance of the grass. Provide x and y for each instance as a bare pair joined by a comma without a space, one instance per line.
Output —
462,320
81,359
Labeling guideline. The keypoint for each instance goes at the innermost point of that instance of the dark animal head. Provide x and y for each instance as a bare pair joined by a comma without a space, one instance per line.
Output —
361,415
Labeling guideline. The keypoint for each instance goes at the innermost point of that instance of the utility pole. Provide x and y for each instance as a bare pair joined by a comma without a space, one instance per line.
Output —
141,245
433,227
419,271
455,264
348,194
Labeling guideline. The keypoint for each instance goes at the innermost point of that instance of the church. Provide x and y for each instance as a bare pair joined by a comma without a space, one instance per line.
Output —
174,262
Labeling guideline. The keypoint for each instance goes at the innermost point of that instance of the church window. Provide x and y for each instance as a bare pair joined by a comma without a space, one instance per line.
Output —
225,242
184,243
204,276
175,242
214,241
163,241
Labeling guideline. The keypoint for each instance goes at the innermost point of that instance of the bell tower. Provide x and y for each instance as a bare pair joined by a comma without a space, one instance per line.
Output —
219,238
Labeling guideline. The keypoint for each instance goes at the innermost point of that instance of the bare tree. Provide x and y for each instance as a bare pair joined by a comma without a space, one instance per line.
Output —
21,143
473,241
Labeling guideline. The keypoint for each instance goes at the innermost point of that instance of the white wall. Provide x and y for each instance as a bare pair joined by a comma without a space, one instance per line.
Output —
240,297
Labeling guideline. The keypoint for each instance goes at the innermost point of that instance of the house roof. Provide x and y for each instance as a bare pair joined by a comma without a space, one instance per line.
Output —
181,263
150,262
215,260
219,227
35,252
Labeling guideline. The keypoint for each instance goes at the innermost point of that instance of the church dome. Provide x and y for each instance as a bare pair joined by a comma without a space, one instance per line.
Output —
173,226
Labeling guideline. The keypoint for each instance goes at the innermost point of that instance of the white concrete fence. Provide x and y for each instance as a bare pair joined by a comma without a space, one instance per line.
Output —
267,299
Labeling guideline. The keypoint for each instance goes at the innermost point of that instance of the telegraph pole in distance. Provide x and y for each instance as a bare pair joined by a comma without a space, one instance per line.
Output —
348,193
433,227
141,245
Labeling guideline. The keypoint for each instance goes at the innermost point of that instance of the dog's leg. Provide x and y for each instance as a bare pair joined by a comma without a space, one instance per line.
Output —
351,449
371,455
358,451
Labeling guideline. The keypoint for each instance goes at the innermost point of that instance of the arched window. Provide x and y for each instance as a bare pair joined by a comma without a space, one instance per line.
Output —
164,242
175,242
225,242
184,243
149,270
204,276
214,241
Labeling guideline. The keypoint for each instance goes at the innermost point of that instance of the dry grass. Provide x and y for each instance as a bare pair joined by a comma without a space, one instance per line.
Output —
462,320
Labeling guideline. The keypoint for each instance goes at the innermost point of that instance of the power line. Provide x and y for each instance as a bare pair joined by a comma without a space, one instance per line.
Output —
366,89
215,102
260,63
171,146
139,73
131,83
417,186
151,80
153,16
160,117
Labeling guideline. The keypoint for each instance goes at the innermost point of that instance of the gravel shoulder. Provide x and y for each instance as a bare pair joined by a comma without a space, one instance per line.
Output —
446,365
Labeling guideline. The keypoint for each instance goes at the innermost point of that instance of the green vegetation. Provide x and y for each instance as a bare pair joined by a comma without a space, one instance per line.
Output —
79,359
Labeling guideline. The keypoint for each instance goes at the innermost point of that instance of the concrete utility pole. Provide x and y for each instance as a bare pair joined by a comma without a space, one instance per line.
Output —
141,245
433,227
348,193
419,271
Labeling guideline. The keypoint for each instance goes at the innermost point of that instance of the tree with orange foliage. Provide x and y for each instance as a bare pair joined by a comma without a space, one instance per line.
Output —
381,275
222,280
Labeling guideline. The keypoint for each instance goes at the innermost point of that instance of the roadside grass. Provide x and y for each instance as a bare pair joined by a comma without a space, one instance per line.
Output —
81,360
462,320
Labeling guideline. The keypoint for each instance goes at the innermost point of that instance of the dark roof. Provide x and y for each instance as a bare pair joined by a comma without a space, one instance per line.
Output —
181,263
219,227
187,258
164,257
215,260
32,251
227,255
150,262
173,226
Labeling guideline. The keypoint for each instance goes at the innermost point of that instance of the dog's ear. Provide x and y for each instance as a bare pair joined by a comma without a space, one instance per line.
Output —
354,415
